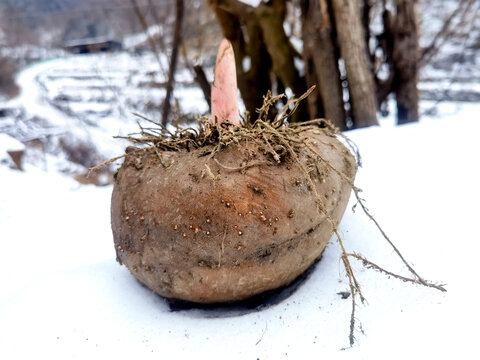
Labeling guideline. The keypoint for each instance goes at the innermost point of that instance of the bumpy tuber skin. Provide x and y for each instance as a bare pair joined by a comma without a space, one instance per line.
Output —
224,87
203,231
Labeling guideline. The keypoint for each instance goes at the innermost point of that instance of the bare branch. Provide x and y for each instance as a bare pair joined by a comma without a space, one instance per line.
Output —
204,84
177,39
151,42
445,32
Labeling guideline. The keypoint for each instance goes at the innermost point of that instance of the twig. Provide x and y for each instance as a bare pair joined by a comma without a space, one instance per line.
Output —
263,334
162,128
105,163
445,32
369,264
286,114
143,22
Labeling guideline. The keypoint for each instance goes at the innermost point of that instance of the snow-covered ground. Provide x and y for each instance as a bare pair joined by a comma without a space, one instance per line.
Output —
63,296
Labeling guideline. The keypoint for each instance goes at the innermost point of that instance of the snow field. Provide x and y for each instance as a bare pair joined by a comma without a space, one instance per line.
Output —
63,295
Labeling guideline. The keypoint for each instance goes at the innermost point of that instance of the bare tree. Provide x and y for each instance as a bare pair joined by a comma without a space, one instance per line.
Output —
177,38
341,55
321,62
270,49
354,53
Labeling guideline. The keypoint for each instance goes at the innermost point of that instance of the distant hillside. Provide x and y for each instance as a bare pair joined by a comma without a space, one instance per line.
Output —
51,22
38,7
34,7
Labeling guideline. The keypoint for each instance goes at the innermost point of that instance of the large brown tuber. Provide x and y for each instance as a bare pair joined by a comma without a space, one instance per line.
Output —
230,211
227,211
226,227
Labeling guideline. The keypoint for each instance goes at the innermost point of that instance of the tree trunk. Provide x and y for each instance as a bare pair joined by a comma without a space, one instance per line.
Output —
332,29
354,53
406,60
270,17
253,82
258,76
177,38
367,7
202,81
314,101
319,53
268,46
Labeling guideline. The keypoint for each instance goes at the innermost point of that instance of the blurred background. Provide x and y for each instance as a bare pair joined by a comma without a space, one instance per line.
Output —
73,73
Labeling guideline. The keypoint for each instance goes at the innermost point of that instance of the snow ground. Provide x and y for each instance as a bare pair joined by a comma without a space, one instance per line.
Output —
64,296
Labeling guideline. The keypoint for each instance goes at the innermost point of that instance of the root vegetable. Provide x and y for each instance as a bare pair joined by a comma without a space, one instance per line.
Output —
240,221
226,228
226,212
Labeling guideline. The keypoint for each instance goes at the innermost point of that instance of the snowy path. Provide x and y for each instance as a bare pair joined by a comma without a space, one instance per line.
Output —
88,99
64,296
32,95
